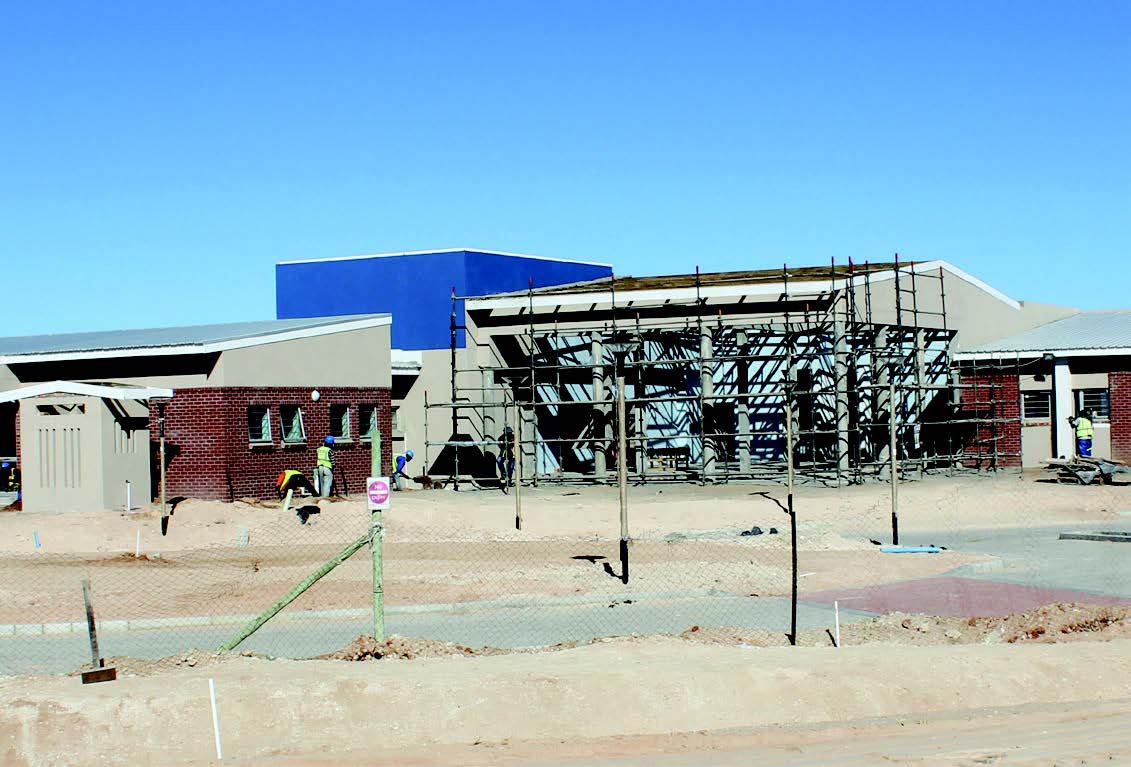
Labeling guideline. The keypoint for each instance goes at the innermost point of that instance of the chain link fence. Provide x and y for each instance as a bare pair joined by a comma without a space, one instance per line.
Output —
456,569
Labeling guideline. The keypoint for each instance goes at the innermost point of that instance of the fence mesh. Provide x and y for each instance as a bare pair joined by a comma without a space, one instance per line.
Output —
457,570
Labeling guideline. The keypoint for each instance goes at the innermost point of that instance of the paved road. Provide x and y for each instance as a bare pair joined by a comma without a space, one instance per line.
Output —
507,626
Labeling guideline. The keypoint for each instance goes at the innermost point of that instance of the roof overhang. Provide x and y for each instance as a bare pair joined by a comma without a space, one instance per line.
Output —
406,363
549,299
1031,354
86,390
199,348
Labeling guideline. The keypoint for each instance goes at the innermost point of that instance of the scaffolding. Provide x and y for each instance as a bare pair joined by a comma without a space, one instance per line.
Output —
869,388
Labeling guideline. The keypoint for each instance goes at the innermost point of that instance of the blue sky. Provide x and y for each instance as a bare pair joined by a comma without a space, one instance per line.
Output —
156,159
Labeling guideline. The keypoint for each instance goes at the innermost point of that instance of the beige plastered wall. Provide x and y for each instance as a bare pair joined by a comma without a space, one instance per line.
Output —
352,358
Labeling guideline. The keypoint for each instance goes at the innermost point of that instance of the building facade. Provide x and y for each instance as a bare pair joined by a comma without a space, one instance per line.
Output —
247,399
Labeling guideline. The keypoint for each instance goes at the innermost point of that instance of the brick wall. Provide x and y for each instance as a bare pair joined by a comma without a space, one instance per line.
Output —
208,454
1119,386
995,396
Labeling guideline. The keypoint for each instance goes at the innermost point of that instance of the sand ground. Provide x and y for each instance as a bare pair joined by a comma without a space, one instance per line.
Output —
445,547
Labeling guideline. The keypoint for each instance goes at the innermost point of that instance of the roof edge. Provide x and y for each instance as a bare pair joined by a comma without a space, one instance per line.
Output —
375,321
86,390
433,251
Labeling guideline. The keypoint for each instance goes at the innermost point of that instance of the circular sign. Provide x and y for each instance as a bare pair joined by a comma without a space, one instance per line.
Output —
378,490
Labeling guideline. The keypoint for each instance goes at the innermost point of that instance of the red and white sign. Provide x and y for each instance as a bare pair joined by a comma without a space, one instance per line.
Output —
377,491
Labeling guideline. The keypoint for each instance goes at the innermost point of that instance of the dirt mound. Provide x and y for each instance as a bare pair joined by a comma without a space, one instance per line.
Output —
1052,623
403,648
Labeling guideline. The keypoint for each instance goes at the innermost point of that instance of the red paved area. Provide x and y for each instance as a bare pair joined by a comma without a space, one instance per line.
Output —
946,595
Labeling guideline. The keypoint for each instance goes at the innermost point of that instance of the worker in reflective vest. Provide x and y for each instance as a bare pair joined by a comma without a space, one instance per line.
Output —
1084,433
289,479
325,468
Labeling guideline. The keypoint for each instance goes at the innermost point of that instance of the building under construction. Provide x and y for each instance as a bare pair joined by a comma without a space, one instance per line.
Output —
852,365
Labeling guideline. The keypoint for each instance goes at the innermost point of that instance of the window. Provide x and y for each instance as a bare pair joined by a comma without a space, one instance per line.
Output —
340,421
1096,400
291,419
396,418
1036,405
259,424
367,421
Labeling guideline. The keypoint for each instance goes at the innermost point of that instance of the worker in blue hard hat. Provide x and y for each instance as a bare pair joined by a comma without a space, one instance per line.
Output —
400,463
324,470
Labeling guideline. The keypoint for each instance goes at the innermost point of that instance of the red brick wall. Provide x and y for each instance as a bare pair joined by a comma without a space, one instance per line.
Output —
1119,386
994,396
207,450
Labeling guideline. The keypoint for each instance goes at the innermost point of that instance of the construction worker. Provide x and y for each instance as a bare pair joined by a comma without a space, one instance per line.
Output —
1084,432
289,479
324,470
506,457
10,478
400,463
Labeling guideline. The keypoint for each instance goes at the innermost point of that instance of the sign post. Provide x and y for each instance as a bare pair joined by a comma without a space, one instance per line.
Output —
377,496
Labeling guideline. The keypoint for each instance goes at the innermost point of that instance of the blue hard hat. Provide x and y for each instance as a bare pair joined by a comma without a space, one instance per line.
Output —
329,440
408,454
5,465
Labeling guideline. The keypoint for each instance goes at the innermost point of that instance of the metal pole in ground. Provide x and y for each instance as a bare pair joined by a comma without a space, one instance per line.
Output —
518,465
161,457
894,467
622,479
792,521
98,670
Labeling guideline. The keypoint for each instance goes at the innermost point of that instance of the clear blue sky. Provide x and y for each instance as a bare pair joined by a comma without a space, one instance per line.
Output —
157,158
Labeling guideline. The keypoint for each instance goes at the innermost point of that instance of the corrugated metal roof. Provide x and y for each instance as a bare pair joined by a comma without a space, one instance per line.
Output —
1109,329
708,279
154,338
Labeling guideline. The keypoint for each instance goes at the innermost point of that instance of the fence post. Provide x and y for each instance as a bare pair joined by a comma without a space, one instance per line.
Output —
792,521
893,426
622,479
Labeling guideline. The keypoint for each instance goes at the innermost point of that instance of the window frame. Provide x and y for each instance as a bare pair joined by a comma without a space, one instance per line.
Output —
344,422
268,437
1025,416
283,425
1100,412
366,435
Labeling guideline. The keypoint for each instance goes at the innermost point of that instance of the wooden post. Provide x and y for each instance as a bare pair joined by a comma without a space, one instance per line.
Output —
622,479
296,592
377,558
894,465
95,657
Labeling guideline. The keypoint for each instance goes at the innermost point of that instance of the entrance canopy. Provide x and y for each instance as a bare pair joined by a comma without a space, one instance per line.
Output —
104,391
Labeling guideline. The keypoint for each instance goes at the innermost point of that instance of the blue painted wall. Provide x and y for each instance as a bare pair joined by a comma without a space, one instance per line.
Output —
416,289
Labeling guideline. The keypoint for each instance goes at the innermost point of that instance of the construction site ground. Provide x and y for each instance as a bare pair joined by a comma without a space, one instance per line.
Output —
943,656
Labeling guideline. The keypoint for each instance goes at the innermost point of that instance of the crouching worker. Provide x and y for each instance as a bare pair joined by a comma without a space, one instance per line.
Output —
400,462
293,480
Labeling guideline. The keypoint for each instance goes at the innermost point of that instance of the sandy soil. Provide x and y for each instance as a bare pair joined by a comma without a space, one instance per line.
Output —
443,547
649,689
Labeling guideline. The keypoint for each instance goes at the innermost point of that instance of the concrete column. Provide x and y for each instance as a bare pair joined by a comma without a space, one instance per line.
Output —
921,398
599,419
707,384
743,383
1063,408
491,426
840,365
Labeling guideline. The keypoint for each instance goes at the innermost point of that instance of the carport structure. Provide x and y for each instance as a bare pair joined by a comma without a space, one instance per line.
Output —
83,446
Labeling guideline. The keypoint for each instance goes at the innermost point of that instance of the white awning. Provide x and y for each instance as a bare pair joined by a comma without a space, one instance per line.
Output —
86,390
